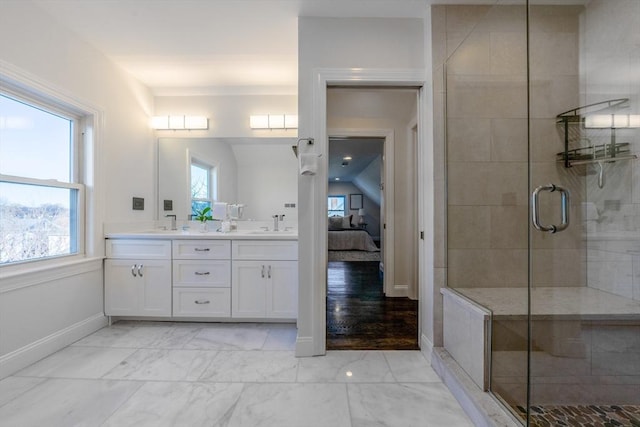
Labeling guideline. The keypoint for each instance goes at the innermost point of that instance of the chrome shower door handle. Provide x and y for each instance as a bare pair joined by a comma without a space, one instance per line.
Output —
564,206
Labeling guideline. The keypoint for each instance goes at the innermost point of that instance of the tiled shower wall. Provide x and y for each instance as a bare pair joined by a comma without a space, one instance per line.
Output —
610,65
482,54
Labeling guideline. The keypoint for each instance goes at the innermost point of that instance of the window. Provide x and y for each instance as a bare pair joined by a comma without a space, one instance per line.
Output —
41,199
336,205
203,188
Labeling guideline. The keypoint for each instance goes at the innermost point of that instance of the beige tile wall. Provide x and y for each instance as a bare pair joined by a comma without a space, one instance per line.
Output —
486,131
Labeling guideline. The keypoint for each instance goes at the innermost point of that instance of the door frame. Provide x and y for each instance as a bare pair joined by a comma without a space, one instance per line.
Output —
388,164
312,316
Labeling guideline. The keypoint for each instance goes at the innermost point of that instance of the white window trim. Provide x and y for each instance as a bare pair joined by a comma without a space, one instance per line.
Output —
28,87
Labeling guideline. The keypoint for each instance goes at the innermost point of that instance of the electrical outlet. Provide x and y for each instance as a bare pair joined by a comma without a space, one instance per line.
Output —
138,204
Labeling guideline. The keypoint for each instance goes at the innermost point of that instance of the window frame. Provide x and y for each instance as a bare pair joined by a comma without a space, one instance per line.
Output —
212,186
344,203
52,105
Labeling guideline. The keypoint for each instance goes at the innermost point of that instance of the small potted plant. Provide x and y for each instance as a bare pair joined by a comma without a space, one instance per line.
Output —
203,215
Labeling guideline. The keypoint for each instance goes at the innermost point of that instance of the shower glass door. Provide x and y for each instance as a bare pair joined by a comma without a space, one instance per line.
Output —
542,129
584,293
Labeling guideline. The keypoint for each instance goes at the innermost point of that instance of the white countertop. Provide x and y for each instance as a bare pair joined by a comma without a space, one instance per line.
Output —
579,302
194,234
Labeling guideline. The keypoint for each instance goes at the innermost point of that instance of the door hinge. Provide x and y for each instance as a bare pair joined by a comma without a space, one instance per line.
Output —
422,235
384,226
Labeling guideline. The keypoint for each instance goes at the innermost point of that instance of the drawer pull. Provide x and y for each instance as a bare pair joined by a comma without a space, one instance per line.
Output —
202,250
140,270
206,273
133,270
269,274
262,273
202,301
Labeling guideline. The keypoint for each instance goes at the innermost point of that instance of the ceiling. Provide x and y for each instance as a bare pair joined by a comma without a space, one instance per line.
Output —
209,47
361,150
199,47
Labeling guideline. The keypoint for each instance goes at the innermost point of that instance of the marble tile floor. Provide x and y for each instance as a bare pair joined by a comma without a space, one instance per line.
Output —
216,374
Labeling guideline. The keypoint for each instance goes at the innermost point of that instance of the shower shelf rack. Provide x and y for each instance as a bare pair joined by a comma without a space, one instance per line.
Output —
593,153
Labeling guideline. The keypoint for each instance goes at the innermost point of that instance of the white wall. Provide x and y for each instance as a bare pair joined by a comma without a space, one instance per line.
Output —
343,43
41,311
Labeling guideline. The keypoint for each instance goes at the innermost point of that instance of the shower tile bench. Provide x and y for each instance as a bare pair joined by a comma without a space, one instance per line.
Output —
586,342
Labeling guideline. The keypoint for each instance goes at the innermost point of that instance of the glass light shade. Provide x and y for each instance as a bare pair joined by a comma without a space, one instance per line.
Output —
616,121
598,121
291,121
196,122
276,121
259,122
176,122
361,212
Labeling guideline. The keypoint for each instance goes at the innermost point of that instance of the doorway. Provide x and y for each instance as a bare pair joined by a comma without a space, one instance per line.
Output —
372,253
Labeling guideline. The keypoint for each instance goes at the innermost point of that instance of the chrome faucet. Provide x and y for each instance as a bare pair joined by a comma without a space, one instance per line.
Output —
276,220
174,226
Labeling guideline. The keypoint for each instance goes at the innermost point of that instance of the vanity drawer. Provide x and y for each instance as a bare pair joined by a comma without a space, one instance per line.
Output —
201,273
265,250
198,302
201,249
138,249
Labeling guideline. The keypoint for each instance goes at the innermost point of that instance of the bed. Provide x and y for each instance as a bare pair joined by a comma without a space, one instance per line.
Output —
351,239
343,236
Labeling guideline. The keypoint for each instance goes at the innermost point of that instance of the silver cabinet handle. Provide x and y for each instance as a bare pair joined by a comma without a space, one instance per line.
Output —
140,270
269,273
564,206
202,301
133,270
202,250
206,273
262,273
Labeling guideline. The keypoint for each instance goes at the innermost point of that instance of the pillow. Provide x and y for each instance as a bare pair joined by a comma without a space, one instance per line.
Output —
340,222
335,222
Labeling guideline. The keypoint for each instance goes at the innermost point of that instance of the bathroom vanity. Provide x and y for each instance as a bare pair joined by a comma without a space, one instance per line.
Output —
240,276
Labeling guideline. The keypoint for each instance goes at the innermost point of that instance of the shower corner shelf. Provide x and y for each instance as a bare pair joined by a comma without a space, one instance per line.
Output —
593,153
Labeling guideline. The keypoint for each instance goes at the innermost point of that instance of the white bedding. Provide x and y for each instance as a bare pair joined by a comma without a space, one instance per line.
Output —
349,240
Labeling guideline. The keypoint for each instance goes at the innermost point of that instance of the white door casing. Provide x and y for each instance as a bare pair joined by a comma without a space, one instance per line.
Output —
313,257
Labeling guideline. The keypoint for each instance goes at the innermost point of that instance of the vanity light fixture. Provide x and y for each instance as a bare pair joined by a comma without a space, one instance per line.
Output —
273,121
612,121
180,123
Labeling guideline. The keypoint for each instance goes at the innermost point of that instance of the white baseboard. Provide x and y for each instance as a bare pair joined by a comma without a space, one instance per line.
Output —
426,347
19,359
304,347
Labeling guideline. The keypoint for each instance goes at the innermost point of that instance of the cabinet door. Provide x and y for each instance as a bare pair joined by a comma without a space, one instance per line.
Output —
137,287
120,288
248,289
282,292
155,288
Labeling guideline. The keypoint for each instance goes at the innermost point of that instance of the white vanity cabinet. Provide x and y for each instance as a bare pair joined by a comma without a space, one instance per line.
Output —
264,279
201,278
138,278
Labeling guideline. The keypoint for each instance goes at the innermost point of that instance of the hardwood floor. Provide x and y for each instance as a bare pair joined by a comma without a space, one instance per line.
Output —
360,317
